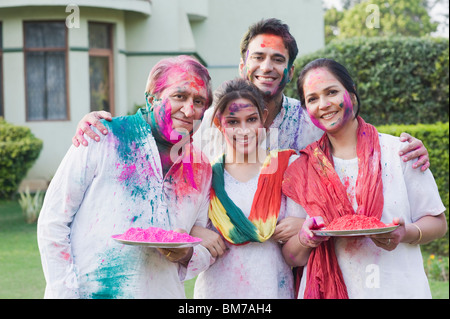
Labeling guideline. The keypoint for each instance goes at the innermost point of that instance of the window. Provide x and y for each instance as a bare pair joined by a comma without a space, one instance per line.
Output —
1,72
46,70
101,67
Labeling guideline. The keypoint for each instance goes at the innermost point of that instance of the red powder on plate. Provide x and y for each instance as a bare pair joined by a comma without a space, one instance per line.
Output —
156,235
354,222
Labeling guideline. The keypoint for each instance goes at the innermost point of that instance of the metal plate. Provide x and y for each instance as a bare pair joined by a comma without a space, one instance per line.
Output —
355,232
156,244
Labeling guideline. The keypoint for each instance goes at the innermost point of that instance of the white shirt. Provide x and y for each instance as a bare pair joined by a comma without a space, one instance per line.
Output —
253,270
104,189
370,271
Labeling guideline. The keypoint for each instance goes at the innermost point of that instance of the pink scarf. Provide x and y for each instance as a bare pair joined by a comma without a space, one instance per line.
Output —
312,182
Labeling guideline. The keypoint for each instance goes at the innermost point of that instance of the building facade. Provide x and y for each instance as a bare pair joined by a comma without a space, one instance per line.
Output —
61,59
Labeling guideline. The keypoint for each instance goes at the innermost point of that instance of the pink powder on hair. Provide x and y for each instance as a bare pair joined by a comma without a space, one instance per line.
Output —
156,235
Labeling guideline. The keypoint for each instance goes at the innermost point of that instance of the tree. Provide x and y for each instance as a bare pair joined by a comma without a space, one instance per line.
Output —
331,18
380,18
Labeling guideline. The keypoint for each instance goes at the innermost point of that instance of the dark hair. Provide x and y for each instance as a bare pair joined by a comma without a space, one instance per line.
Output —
238,89
337,69
270,26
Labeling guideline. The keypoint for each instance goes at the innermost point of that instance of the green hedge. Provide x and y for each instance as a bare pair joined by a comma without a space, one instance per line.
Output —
19,149
435,138
400,80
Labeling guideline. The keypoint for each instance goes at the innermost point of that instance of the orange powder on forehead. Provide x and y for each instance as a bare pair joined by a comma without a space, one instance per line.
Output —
274,42
188,79
197,84
314,78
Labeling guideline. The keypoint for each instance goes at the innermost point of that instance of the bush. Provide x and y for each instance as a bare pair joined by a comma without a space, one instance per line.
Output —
435,137
19,149
436,267
399,80
31,205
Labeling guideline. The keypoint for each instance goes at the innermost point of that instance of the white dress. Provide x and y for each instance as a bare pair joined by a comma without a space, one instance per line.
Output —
370,271
254,270
104,189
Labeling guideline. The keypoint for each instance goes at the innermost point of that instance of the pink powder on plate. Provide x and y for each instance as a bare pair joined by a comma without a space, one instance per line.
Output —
156,235
355,222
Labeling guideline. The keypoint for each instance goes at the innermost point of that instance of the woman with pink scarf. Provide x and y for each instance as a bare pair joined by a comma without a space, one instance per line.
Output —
353,169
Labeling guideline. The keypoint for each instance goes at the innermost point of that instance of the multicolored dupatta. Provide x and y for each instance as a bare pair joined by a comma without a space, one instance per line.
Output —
229,219
312,182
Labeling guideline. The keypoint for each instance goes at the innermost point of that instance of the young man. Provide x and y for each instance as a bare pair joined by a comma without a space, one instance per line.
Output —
145,173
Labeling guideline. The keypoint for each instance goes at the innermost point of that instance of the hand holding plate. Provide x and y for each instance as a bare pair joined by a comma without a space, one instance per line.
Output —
306,236
389,241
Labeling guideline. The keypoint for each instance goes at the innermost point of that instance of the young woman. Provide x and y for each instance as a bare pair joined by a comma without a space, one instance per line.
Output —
353,169
246,203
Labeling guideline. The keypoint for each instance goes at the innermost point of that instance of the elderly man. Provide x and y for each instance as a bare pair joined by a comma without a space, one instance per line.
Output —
131,178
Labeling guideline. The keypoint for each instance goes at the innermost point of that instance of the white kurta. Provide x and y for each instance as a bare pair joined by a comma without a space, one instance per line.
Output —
104,189
253,270
370,271
291,129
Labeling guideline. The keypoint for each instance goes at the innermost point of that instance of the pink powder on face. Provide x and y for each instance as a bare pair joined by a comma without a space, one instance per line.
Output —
163,117
315,121
348,106
156,235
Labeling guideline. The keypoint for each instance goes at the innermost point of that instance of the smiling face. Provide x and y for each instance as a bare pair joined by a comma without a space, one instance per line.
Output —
241,124
179,106
328,103
266,65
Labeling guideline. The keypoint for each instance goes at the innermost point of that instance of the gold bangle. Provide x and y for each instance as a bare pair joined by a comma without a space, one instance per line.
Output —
420,235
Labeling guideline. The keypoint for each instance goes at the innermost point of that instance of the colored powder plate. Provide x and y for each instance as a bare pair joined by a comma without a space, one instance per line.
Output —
355,225
156,237
355,221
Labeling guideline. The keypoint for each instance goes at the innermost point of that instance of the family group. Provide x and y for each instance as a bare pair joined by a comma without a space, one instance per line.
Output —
252,173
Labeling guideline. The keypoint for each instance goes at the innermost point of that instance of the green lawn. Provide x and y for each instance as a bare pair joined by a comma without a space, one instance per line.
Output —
21,274
20,265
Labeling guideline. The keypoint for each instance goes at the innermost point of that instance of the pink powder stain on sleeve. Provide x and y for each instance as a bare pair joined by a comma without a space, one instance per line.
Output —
156,235
127,172
65,256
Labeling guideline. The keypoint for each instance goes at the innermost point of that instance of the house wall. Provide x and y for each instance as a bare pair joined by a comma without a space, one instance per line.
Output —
143,34
56,134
